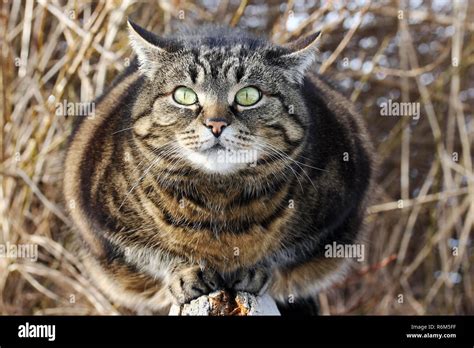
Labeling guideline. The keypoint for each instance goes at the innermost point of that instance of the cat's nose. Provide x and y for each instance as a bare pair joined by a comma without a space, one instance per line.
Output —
216,125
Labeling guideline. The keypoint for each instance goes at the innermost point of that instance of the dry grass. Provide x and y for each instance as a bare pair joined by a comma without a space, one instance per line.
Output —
54,50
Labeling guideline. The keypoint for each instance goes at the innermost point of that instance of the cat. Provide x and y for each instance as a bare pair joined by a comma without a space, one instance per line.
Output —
217,160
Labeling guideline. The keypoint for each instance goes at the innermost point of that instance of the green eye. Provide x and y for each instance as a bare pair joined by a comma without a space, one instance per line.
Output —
248,96
185,96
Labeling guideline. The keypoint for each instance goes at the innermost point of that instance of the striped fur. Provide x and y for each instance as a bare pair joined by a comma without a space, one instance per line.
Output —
163,219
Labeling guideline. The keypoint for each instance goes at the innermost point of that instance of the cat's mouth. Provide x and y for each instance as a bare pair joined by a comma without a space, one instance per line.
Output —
215,147
221,159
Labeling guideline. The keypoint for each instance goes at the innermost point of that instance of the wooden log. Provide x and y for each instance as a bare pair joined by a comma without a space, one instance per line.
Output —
221,303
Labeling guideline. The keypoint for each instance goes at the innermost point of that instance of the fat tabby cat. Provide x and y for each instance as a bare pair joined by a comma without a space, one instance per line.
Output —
217,160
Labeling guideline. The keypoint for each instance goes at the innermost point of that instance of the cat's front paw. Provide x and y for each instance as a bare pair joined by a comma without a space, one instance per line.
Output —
189,283
252,280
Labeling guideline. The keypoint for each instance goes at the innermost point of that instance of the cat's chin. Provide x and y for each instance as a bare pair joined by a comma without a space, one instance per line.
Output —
219,160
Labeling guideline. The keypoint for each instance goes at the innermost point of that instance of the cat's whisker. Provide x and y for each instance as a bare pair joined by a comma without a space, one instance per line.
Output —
282,155
292,159
285,175
155,152
274,154
123,130
234,141
138,182
153,163
177,160
298,163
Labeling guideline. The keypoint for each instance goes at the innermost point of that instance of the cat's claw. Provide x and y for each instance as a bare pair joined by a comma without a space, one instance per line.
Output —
252,280
189,283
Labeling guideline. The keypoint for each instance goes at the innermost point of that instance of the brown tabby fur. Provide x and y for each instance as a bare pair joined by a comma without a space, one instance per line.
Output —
149,230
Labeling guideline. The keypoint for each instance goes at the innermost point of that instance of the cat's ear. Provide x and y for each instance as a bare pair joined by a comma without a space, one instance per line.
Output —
302,56
152,51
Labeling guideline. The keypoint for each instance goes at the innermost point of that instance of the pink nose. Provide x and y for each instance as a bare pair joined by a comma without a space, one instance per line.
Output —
216,125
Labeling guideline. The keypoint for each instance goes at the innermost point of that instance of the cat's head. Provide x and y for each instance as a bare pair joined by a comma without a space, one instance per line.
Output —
220,100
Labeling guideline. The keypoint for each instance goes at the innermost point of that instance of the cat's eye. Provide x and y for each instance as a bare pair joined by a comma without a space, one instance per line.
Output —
185,96
248,96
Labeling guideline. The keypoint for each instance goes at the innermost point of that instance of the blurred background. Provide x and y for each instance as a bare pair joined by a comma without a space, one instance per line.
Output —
420,222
